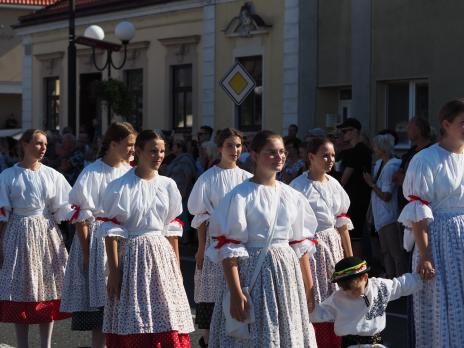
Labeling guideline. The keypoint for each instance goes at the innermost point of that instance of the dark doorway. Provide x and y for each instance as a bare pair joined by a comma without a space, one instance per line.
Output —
88,106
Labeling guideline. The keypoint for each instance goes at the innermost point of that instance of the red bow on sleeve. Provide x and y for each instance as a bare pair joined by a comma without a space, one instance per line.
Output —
2,211
413,198
77,211
222,240
343,215
179,221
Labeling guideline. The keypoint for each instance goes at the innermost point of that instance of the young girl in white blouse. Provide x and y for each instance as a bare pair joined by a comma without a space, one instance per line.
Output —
84,291
434,220
240,226
147,305
330,203
33,199
209,189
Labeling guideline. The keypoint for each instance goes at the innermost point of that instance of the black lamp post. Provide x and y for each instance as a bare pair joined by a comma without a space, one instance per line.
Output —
93,37
72,67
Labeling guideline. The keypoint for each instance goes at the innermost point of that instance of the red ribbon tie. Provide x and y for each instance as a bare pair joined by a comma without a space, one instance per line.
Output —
222,240
293,242
343,215
2,211
179,221
413,198
77,211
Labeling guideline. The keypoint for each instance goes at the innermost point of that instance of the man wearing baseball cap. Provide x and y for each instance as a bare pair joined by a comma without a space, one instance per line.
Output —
354,162
358,307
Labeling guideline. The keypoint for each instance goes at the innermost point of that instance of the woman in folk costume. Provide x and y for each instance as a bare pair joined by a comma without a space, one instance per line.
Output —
147,305
271,293
330,203
209,189
33,199
84,291
434,220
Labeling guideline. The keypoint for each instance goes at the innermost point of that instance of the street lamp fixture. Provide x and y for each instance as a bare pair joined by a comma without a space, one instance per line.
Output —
93,37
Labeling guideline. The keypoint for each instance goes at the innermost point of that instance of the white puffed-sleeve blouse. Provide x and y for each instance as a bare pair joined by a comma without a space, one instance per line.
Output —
210,188
28,192
434,183
328,199
86,194
243,219
133,206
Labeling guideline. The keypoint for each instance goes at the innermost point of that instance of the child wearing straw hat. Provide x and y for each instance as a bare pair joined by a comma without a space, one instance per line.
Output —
358,307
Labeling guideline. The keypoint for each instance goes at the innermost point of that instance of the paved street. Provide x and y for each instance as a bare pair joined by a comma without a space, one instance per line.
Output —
395,334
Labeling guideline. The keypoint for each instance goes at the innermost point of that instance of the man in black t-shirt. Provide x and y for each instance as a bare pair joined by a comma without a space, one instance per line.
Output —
355,161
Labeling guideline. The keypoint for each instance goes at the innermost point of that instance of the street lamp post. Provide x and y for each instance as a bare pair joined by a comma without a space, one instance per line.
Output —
93,37
72,67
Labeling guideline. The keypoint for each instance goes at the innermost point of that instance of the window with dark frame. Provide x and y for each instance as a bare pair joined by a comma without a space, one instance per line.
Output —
249,114
134,82
406,99
182,110
52,103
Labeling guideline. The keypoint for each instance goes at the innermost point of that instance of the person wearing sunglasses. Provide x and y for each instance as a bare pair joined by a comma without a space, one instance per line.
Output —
355,161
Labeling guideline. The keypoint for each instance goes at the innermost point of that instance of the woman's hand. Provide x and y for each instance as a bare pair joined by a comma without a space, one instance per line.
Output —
425,268
199,257
114,284
239,306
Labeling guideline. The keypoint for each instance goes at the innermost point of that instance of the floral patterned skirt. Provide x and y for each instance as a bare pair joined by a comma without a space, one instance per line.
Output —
153,298
31,277
329,251
85,291
279,302
209,281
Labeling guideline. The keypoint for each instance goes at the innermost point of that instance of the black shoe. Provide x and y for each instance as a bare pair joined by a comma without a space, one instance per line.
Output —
202,343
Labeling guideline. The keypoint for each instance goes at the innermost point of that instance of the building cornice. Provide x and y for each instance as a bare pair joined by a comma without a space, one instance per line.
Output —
124,14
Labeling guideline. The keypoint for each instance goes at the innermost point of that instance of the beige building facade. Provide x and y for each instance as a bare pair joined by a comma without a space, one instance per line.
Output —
180,53
10,60
314,62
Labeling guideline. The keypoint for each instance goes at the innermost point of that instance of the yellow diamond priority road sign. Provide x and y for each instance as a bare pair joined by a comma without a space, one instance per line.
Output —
238,83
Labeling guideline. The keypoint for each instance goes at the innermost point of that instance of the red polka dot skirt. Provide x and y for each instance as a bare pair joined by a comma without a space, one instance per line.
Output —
325,336
31,312
171,339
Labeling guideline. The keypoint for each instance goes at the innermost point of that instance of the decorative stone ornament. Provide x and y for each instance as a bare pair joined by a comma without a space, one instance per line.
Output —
247,23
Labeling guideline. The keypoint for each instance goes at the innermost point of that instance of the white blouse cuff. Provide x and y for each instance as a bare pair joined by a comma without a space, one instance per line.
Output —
110,229
79,216
62,214
303,247
414,212
342,221
227,251
174,229
199,219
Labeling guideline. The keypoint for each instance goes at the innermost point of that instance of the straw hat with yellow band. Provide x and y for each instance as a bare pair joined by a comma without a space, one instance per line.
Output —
349,267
